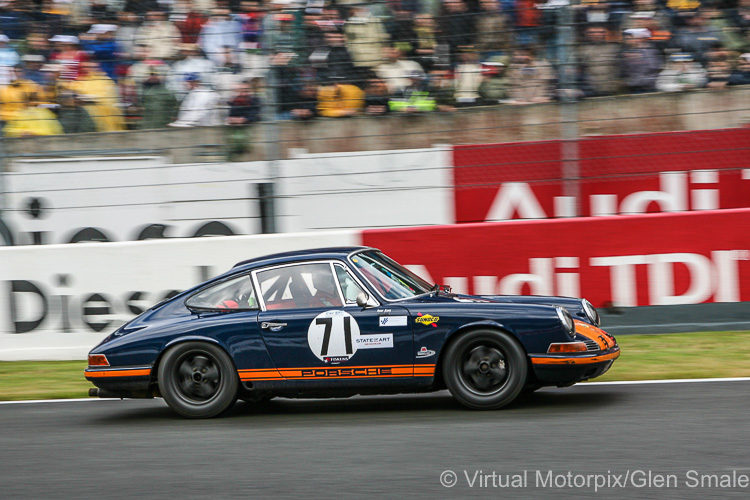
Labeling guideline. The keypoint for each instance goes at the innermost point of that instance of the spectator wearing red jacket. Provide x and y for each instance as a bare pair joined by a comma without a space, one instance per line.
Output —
68,54
528,22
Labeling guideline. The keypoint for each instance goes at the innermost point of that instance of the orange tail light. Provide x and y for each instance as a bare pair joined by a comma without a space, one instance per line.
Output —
98,360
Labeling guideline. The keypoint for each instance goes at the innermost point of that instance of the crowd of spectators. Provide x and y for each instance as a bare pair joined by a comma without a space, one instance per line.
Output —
71,66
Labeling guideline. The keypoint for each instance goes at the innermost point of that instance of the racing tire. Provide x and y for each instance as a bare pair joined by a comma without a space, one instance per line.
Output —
198,380
485,369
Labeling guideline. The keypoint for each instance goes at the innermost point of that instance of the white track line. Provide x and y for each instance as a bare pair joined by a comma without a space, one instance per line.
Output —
667,381
584,384
52,401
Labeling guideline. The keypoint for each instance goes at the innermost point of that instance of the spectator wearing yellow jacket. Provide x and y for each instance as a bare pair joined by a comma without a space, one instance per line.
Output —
33,120
338,100
96,88
16,97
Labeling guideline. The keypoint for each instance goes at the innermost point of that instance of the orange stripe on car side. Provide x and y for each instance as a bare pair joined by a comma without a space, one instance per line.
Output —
138,372
318,367
347,372
424,370
577,360
336,371
259,374
345,376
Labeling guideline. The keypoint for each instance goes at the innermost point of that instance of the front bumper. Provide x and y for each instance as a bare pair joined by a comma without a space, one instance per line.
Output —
569,368
551,369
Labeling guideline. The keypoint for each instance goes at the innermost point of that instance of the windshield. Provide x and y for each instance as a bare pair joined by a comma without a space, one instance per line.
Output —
390,279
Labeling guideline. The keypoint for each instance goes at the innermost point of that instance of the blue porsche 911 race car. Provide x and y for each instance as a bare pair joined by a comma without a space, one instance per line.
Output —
337,322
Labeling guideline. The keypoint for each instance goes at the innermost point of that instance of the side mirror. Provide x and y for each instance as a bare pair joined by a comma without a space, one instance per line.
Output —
362,300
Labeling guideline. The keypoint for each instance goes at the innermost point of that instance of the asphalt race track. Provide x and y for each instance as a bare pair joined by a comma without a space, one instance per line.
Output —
391,447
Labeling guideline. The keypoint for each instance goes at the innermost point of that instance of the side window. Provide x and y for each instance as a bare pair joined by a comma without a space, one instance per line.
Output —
300,286
236,293
350,287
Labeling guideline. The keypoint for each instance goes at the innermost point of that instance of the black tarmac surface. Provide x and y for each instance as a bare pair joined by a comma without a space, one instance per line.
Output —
644,441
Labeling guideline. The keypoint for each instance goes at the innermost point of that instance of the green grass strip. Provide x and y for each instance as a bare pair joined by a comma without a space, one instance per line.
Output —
681,355
644,357
22,380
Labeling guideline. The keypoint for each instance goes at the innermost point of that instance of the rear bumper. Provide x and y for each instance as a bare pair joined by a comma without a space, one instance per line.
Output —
128,378
553,369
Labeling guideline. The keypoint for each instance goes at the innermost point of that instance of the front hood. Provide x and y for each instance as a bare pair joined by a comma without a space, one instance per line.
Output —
532,299
573,305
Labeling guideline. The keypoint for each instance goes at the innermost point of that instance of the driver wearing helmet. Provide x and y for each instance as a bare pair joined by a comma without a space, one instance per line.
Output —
326,294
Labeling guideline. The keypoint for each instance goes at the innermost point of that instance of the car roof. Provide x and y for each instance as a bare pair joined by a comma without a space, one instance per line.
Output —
300,255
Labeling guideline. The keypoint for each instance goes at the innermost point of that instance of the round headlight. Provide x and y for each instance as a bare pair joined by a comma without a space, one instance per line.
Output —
591,313
567,321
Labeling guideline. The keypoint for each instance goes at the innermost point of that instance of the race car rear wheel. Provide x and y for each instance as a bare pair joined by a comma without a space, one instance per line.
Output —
198,380
485,369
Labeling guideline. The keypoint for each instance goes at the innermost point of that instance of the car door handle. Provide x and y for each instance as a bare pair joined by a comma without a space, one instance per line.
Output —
274,327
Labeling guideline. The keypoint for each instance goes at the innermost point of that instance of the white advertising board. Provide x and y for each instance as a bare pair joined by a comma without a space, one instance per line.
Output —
58,301
52,200
394,188
65,200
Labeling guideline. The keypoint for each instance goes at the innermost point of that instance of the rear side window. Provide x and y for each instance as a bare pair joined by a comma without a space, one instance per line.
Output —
236,293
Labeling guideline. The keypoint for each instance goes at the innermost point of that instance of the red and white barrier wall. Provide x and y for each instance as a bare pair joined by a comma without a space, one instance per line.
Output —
58,301
626,174
59,201
653,259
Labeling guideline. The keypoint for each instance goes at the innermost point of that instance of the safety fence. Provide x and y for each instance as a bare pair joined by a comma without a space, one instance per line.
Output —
115,198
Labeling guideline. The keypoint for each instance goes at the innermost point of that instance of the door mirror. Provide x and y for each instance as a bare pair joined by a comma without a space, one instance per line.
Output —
362,300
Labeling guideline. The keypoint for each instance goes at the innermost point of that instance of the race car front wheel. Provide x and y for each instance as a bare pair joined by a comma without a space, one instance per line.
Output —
198,380
485,369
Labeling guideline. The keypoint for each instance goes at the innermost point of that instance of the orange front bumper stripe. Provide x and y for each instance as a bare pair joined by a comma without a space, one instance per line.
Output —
577,360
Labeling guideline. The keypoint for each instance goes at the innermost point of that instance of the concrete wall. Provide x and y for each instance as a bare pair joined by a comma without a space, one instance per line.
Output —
677,319
701,109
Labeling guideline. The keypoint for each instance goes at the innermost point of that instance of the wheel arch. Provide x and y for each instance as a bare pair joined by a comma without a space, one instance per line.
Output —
181,340
470,327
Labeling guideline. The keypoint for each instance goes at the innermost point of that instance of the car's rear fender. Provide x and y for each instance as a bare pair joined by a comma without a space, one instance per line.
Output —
180,340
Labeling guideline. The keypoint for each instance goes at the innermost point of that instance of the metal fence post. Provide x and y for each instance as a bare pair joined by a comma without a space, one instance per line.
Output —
2,172
270,131
568,70
265,197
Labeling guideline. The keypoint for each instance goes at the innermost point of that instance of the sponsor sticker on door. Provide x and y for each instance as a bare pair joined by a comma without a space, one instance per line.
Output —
425,353
427,319
374,341
392,320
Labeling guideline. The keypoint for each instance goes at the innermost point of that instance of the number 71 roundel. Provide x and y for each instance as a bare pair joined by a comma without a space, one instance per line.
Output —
334,337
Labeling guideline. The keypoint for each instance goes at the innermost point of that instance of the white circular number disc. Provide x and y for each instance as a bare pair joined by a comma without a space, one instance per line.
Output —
333,335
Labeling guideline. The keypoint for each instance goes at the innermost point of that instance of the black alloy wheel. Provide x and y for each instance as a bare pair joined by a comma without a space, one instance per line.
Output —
198,380
485,369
